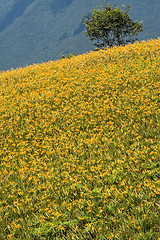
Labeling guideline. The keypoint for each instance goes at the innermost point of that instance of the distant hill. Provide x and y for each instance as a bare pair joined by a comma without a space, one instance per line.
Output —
34,31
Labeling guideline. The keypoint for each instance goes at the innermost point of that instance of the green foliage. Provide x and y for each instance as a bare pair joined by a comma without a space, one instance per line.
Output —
70,55
111,26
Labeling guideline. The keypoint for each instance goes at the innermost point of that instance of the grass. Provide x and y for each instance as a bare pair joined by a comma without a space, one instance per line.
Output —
79,146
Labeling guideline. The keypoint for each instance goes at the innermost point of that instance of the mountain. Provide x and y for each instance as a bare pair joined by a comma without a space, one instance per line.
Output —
34,31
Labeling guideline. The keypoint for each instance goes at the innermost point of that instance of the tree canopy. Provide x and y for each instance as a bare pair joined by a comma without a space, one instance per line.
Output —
111,26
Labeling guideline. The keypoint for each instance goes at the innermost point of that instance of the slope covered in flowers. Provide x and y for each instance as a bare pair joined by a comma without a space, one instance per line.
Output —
79,146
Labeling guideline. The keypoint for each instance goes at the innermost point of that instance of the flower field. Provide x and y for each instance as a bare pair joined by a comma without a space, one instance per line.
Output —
80,146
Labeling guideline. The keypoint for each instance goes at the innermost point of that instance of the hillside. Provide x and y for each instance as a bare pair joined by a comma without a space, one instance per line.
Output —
80,146
37,31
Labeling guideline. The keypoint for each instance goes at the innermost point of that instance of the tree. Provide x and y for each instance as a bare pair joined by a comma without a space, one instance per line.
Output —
111,26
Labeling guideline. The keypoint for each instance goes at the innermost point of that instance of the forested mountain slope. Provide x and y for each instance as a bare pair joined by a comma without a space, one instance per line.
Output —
37,30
